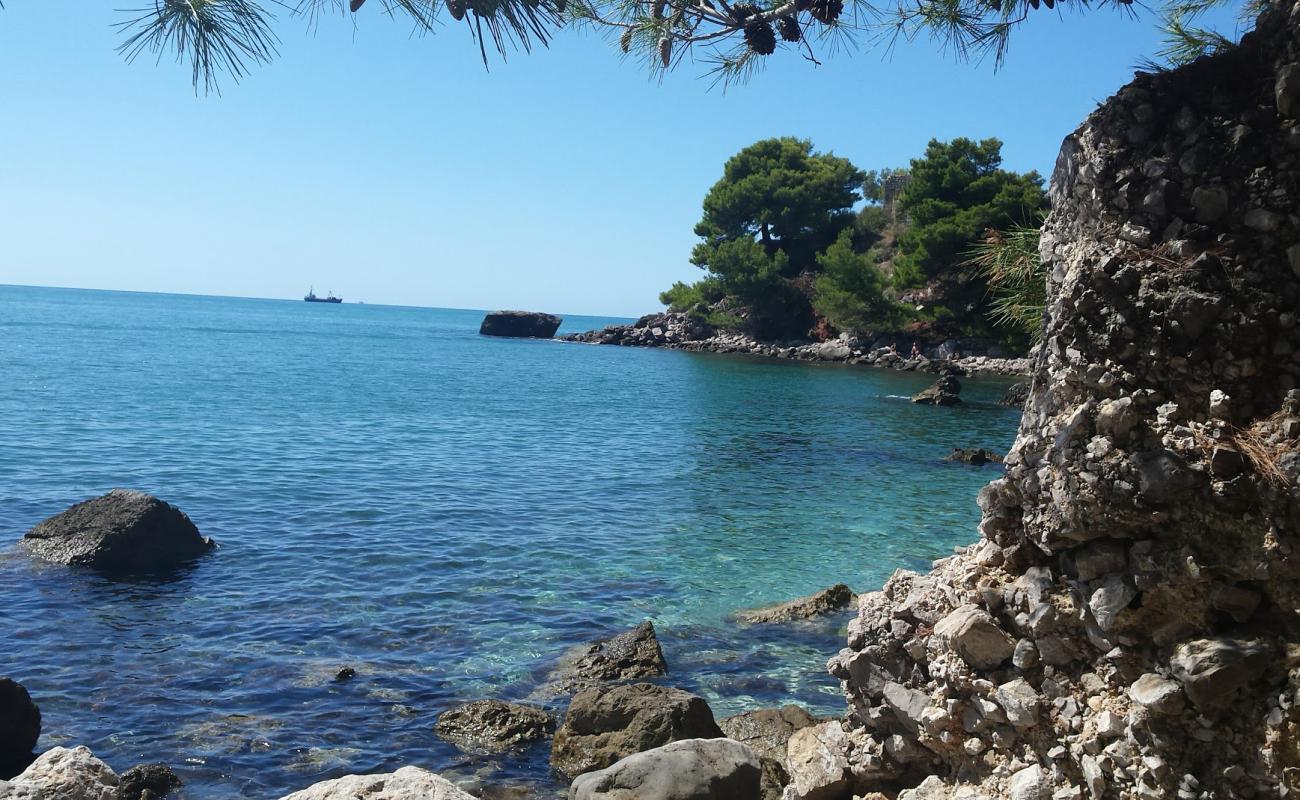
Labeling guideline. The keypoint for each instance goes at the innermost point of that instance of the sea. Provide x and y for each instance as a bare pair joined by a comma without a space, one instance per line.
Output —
444,512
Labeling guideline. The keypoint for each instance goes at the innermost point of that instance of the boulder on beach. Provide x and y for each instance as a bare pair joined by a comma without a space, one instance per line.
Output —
693,769
63,773
835,598
122,531
520,324
147,781
944,392
767,732
628,656
20,727
605,724
493,726
975,456
407,783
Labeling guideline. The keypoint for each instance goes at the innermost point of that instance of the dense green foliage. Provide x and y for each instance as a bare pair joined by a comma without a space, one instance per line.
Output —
850,291
958,190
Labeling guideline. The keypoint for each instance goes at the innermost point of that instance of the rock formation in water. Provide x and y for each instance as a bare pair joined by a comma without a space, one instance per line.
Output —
520,324
1126,626
827,601
122,531
627,656
493,726
944,392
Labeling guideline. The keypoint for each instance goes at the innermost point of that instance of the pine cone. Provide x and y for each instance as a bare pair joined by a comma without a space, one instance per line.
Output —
666,51
456,8
657,10
625,41
826,11
742,11
355,4
789,29
761,38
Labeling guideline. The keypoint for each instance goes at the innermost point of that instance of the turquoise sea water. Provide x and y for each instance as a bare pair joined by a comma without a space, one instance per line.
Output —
445,512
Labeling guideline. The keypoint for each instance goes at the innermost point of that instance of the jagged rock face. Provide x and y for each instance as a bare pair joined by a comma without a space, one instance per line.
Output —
1138,553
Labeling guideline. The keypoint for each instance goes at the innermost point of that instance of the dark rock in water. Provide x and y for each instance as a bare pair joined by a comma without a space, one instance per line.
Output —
1016,395
20,727
630,655
345,674
767,732
122,531
944,392
520,324
836,598
694,769
975,456
147,780
606,724
493,726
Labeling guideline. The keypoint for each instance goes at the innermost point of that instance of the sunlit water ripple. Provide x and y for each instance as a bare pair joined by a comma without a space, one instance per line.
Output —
445,512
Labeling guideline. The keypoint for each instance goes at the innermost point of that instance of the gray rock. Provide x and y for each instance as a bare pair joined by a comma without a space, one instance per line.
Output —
836,598
1212,671
973,634
606,724
819,767
1210,202
628,656
493,726
520,324
1099,557
1236,602
1263,220
944,392
1161,695
122,531
1116,418
1109,599
20,727
1020,702
407,783
62,773
1287,90
693,769
1030,783
1016,395
767,732
147,781
907,704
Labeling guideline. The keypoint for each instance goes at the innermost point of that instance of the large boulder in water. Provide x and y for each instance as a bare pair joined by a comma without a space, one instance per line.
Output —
606,724
20,727
122,531
147,782
520,324
407,783
628,656
944,392
63,774
694,769
493,726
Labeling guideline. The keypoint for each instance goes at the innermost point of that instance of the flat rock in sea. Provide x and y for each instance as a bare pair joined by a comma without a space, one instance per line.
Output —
122,531
493,726
20,727
407,783
767,732
628,656
693,769
146,781
520,324
606,724
836,598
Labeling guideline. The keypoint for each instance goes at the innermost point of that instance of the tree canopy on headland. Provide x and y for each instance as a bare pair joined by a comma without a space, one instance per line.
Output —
217,38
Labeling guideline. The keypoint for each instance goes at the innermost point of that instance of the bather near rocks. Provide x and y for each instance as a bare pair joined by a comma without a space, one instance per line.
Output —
693,769
837,598
493,726
123,531
520,324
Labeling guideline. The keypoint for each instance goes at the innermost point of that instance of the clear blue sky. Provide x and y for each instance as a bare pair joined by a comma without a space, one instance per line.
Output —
394,169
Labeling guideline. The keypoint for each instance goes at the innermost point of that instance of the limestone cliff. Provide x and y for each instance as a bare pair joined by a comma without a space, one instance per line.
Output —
1126,627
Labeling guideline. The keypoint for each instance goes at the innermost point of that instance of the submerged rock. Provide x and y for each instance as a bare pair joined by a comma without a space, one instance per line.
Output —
975,456
492,726
693,769
628,656
63,773
407,783
122,531
520,324
20,727
606,724
767,732
147,781
944,392
836,598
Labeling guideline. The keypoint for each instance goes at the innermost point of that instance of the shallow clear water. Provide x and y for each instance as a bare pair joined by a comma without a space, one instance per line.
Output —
445,512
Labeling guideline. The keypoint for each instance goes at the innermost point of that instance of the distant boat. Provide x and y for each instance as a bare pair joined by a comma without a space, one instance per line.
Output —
328,298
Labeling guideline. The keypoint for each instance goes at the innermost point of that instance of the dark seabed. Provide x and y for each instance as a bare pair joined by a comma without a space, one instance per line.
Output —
445,512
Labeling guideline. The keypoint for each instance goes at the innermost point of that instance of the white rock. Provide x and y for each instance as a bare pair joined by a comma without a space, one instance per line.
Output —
1020,702
973,634
817,762
63,774
1030,783
407,783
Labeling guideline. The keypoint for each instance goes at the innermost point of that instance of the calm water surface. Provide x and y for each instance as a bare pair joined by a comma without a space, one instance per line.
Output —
445,512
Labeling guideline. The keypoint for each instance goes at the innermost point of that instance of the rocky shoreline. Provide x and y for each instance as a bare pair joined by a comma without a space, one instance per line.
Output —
680,331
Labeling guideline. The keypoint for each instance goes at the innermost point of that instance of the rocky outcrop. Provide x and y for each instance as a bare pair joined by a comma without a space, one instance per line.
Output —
520,324
767,732
628,656
1126,626
407,783
1016,395
944,392
62,773
827,601
493,726
147,782
20,727
694,769
606,724
975,456
122,531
